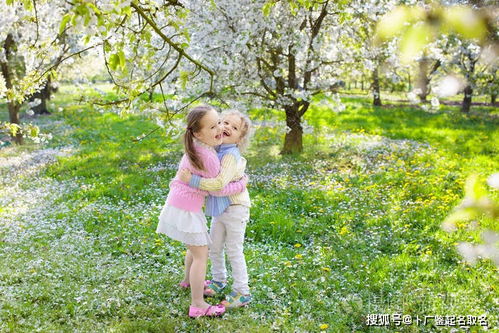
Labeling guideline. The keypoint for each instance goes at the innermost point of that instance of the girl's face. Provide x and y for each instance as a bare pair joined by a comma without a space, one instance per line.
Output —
232,126
211,129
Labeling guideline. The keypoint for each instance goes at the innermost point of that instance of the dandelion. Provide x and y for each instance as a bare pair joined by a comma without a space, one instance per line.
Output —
344,230
326,269
298,256
324,326
297,245
287,264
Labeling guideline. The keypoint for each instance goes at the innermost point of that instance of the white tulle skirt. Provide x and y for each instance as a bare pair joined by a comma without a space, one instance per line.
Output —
185,226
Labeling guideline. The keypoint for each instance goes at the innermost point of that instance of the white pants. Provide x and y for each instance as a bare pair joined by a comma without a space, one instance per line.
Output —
228,230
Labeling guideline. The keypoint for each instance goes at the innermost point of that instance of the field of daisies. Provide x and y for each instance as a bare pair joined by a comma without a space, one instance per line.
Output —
346,237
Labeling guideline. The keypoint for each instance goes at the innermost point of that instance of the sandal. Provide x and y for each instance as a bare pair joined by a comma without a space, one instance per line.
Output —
236,300
186,285
211,311
213,288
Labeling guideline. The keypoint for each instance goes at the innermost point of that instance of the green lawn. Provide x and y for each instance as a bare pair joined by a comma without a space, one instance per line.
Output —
349,228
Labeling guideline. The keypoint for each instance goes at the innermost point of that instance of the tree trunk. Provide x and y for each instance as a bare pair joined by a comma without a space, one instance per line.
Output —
409,87
468,94
376,90
44,95
293,143
423,81
14,119
12,105
493,97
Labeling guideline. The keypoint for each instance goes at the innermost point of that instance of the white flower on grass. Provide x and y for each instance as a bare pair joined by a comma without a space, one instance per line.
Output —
30,112
340,107
435,103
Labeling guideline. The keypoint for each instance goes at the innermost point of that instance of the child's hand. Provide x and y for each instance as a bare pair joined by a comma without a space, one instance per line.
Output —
185,175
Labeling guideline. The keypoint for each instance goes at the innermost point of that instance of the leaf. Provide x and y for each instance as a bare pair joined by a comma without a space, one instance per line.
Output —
474,189
127,10
28,4
183,77
64,22
267,8
465,21
114,61
95,9
392,23
122,59
414,40
107,46
293,8
147,36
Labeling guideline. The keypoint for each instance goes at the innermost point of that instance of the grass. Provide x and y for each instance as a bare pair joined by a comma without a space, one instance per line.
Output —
349,228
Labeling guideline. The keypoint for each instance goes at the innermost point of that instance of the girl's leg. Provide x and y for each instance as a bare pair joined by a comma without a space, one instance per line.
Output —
187,265
216,251
197,275
234,247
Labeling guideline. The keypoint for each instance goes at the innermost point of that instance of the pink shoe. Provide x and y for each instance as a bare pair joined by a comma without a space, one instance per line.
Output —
188,285
184,285
211,311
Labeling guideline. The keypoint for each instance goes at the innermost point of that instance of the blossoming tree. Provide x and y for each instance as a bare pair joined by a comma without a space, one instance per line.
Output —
142,42
29,51
279,54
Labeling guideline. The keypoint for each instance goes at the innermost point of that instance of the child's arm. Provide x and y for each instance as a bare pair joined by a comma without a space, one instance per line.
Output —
228,169
232,188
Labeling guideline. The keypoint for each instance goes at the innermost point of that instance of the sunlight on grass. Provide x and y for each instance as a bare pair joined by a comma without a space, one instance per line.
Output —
350,227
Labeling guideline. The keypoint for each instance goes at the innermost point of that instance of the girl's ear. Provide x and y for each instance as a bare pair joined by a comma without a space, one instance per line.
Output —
196,135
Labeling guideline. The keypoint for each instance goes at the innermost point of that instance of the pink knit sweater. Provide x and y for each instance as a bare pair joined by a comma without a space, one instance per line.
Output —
191,199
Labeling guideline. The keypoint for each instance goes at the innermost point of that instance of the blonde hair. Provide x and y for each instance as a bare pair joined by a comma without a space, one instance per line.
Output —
246,128
193,126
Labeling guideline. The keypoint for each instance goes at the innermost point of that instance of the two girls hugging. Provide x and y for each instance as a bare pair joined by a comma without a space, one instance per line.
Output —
212,168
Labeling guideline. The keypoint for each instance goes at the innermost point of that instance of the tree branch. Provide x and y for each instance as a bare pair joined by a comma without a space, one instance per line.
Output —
170,42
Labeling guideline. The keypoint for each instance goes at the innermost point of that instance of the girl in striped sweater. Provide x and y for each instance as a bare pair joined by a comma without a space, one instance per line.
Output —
230,214
182,218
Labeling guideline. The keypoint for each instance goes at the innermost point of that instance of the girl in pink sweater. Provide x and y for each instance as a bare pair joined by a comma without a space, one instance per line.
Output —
182,217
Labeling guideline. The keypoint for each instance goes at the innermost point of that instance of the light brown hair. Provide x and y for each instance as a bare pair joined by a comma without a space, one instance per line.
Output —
194,125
